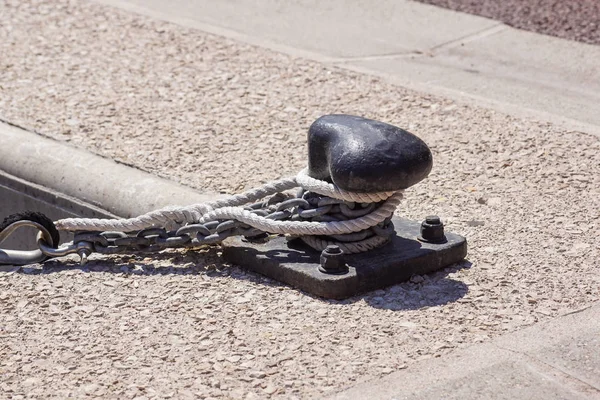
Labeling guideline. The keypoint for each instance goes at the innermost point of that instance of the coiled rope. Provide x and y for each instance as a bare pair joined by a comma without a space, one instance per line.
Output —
231,208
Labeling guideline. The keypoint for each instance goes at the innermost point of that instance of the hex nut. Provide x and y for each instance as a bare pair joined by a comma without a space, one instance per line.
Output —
432,230
333,261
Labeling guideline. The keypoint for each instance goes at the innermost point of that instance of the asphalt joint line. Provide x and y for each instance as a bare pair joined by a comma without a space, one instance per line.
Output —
553,373
403,54
485,32
577,311
429,52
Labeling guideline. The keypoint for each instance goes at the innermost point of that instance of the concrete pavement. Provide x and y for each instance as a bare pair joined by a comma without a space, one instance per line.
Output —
466,57
554,360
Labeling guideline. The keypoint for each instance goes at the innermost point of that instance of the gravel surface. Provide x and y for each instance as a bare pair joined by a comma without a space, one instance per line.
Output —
224,116
569,19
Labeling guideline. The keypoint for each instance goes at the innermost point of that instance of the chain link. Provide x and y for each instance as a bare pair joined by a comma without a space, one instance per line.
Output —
306,206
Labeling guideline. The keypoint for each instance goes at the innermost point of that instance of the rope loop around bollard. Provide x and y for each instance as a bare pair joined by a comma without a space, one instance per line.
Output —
356,222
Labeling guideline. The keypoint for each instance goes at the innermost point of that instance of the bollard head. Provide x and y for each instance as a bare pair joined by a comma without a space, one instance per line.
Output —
363,155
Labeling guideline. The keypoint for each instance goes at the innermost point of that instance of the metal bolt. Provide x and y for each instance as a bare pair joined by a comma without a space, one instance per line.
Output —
84,249
333,249
432,230
332,261
433,220
84,257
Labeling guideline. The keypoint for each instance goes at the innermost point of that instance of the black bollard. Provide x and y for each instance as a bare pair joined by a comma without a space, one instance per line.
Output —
365,156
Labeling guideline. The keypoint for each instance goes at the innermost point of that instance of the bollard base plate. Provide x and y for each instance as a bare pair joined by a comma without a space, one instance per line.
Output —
296,264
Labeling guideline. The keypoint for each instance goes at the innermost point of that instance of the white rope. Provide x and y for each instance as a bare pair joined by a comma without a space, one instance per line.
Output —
307,227
173,214
329,189
229,208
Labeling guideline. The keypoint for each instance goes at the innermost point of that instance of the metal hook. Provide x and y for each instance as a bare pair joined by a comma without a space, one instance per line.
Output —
82,248
23,257
45,251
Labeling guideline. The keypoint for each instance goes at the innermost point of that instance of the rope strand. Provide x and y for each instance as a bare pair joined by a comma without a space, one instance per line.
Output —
231,208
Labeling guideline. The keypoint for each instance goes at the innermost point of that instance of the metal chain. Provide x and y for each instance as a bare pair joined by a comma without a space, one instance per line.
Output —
306,206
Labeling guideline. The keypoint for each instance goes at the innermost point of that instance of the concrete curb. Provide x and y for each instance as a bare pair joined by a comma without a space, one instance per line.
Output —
467,58
549,360
113,187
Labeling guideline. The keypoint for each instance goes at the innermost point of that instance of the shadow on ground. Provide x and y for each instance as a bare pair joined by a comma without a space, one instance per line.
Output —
422,291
